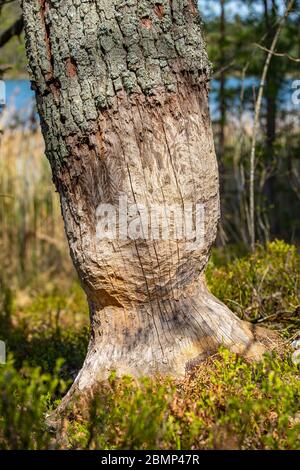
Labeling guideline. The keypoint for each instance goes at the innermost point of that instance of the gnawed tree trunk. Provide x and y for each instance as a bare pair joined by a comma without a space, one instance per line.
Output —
121,87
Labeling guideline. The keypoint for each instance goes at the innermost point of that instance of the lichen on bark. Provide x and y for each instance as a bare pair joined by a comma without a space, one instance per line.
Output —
135,46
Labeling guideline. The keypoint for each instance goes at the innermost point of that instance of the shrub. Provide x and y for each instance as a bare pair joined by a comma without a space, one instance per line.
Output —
262,287
38,331
25,396
227,403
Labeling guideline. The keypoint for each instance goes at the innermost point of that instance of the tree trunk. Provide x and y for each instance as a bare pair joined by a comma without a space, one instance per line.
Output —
222,91
273,84
121,87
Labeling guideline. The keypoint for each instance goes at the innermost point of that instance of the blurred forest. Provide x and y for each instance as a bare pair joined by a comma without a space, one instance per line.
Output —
255,267
238,45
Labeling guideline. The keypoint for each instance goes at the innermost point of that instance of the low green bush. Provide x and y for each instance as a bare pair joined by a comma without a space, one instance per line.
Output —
262,287
26,395
39,333
226,403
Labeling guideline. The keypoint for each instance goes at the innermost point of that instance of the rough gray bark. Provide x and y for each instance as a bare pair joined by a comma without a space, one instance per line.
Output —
121,87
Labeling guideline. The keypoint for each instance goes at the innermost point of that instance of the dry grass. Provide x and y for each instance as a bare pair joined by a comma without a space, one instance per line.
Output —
31,228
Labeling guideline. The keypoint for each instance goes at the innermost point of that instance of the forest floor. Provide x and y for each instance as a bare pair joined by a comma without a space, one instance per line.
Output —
227,403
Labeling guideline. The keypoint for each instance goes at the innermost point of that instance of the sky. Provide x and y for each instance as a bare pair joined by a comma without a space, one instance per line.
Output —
213,6
232,7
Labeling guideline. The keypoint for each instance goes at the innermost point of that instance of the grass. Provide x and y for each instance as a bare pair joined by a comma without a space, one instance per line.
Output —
227,404
31,228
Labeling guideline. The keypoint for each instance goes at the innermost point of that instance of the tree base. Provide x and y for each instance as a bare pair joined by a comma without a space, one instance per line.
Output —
170,338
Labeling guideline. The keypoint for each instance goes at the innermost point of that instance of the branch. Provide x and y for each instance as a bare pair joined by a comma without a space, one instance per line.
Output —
277,54
223,69
5,2
14,30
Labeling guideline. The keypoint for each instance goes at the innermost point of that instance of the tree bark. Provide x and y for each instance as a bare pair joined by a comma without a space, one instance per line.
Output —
222,91
273,84
121,87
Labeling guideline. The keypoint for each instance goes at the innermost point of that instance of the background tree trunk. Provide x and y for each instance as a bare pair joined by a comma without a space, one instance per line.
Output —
273,86
222,91
121,88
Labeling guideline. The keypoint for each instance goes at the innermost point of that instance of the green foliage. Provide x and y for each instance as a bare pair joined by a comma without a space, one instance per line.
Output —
35,329
125,415
264,286
13,54
25,396
45,348
228,403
